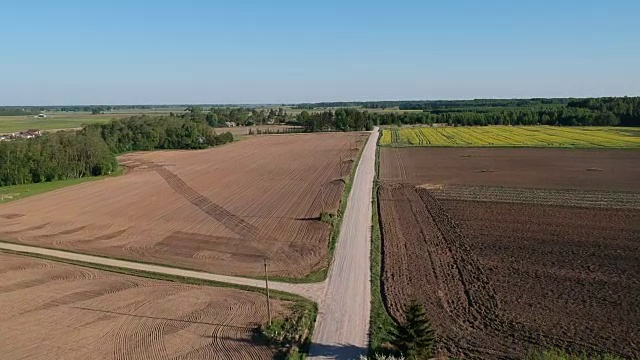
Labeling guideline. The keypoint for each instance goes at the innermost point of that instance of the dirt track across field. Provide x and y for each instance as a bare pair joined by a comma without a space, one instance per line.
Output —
50,310
220,210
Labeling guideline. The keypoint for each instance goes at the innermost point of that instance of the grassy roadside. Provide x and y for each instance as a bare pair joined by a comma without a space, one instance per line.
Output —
381,325
321,275
15,192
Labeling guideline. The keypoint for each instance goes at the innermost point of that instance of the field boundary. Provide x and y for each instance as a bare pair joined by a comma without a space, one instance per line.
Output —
296,300
512,147
276,294
381,323
50,186
321,274
507,136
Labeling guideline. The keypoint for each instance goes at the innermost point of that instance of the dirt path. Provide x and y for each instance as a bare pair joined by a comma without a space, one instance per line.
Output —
310,291
342,327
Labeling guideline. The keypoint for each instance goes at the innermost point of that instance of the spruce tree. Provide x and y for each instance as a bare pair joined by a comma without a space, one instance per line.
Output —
414,337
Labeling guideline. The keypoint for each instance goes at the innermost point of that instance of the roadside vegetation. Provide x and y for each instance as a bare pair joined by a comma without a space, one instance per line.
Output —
291,336
381,324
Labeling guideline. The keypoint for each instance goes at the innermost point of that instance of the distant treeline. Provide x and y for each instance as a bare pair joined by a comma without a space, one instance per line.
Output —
436,104
243,116
624,111
92,151
346,119
27,110
157,132
12,111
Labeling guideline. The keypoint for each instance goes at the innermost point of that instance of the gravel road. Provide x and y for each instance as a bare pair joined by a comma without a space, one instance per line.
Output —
342,327
310,291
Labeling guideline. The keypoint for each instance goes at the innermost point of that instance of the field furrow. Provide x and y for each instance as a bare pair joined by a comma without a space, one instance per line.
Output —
105,316
221,210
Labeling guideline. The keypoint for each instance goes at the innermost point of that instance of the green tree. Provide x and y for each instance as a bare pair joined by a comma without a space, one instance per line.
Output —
414,336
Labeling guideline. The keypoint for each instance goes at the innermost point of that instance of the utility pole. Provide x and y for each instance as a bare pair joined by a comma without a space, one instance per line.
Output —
266,279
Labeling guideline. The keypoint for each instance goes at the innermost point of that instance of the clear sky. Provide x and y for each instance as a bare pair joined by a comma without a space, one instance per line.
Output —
158,52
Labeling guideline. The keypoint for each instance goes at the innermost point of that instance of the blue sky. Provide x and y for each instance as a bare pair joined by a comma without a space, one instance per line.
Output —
155,52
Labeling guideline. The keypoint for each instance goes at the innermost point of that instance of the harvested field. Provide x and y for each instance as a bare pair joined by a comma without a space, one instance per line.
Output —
504,268
50,310
221,210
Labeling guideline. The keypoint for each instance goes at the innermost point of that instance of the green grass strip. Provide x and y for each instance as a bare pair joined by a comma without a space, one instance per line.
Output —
16,192
381,324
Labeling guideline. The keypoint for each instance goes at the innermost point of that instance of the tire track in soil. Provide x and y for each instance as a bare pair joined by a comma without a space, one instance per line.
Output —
130,336
401,168
228,219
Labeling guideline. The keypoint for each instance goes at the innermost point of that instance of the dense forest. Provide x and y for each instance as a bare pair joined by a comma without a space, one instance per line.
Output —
12,111
92,151
623,111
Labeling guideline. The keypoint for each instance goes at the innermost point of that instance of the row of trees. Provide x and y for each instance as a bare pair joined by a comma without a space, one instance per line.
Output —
92,151
436,104
346,119
241,116
349,119
611,111
15,111
546,116
55,156
187,131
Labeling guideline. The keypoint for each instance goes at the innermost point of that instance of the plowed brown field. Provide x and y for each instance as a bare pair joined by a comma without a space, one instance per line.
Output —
221,210
599,169
505,269
54,311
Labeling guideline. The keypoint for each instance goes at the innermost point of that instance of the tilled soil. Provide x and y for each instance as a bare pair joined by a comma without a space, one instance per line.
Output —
513,249
221,210
609,170
53,311
500,278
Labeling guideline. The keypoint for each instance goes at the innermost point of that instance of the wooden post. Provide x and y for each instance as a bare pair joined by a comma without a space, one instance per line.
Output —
266,279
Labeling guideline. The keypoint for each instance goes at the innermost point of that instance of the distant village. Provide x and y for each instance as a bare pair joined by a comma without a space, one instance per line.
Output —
29,134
